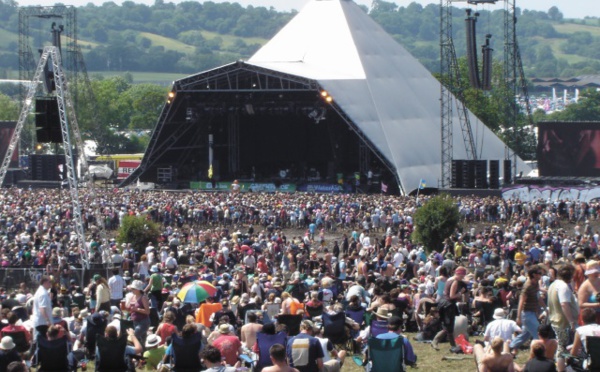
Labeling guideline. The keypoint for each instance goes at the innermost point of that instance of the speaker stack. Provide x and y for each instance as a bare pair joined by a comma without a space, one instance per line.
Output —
457,174
507,172
47,121
480,174
46,167
494,174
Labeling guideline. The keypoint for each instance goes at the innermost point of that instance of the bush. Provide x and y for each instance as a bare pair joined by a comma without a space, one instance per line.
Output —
138,231
435,221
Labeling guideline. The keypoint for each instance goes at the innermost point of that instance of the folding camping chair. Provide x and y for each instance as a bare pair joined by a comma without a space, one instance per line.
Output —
264,342
591,360
292,322
187,353
52,356
383,355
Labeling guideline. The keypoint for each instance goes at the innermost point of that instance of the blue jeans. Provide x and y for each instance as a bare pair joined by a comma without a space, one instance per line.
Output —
530,324
141,329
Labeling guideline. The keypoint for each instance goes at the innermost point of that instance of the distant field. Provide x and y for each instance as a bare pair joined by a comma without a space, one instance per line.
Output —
555,45
229,40
162,78
168,43
569,28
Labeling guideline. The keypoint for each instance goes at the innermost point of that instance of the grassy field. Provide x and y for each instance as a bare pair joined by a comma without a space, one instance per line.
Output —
143,77
168,43
570,28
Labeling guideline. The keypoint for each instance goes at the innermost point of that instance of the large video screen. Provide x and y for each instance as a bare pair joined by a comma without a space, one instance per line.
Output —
7,128
570,149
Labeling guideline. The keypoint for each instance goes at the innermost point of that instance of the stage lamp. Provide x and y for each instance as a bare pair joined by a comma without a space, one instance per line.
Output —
324,93
329,99
38,148
171,96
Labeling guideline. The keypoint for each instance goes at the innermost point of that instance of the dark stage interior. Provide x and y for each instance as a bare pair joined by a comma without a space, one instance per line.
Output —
291,136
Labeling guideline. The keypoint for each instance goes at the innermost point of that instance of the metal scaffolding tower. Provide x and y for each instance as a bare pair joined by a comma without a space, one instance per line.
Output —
451,93
51,54
514,84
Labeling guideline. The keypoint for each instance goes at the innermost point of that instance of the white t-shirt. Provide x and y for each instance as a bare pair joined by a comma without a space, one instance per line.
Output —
564,292
586,331
398,259
117,287
41,304
503,328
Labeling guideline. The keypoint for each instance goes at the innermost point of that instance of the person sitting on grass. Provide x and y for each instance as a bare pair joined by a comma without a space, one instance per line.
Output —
539,362
496,360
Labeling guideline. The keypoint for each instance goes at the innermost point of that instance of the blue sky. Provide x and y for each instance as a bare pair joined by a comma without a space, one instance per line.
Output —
570,8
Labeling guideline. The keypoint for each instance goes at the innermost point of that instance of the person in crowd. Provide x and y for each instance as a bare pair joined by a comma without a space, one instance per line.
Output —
562,311
455,290
8,354
229,344
212,359
248,331
304,351
102,293
278,356
496,360
501,327
529,309
587,295
155,351
545,337
116,283
138,306
539,362
42,307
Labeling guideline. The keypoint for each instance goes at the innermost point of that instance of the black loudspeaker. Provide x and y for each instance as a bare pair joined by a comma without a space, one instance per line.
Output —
46,167
480,174
507,172
473,66
457,174
494,174
486,74
468,174
47,121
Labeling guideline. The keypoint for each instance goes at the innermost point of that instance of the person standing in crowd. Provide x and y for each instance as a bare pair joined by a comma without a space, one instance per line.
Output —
455,290
138,306
42,307
587,295
102,293
562,311
528,309
155,286
116,284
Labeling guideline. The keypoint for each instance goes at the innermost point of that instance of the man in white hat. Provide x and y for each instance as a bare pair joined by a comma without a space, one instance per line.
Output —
154,353
501,327
8,354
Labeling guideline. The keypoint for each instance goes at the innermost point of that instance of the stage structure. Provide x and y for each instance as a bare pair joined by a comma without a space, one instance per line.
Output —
514,82
343,97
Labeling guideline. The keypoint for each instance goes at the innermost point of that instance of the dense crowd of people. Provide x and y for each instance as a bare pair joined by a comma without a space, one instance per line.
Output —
300,280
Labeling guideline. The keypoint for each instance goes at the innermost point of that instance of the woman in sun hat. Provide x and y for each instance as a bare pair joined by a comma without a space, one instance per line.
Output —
587,295
138,306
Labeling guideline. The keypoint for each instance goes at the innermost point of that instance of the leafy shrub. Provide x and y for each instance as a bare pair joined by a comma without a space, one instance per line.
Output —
435,221
138,231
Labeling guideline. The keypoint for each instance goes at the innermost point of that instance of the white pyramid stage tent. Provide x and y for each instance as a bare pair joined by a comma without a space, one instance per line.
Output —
387,93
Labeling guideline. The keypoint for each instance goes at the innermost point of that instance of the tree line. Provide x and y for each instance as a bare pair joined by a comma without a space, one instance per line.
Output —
117,37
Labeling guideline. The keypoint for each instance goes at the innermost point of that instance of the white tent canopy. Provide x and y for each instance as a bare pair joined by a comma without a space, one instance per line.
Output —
381,87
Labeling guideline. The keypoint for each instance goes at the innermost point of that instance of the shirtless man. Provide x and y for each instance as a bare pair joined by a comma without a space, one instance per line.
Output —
496,361
279,359
249,331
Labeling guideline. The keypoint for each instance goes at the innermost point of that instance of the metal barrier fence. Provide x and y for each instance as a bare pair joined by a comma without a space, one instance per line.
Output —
10,278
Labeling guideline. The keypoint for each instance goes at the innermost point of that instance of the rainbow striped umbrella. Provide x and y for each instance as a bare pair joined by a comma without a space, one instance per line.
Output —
196,292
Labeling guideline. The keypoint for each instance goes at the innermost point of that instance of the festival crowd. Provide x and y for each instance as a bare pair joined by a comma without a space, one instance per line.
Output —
519,275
